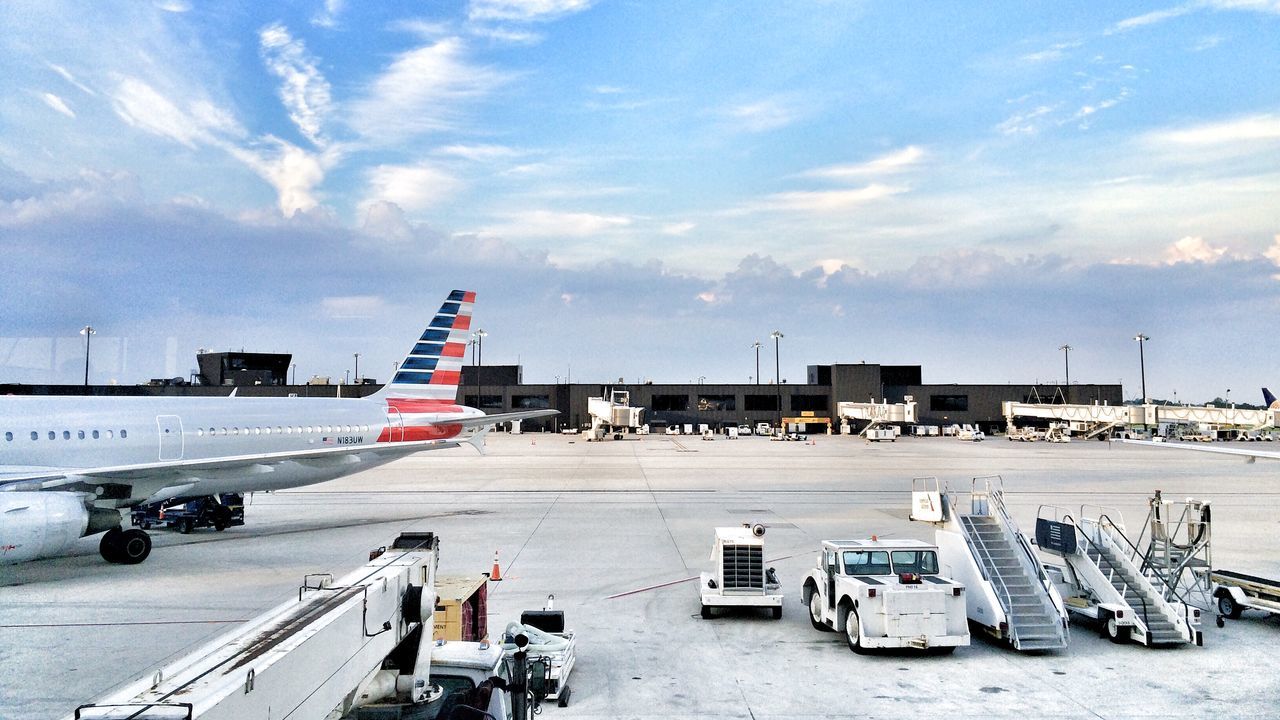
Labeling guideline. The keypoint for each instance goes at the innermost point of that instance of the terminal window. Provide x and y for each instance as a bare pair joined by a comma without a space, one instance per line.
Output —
530,402
949,403
671,403
717,402
484,402
760,403
801,403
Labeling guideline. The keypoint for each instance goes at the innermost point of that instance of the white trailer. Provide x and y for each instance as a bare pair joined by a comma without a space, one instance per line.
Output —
886,594
740,579
1237,592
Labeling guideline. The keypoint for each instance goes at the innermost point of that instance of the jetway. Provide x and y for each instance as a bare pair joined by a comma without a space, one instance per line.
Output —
613,415
876,413
1099,420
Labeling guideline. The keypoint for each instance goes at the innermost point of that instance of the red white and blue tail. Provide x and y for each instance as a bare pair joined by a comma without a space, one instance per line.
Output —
433,367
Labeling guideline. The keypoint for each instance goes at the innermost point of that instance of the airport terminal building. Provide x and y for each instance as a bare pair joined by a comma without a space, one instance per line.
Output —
499,388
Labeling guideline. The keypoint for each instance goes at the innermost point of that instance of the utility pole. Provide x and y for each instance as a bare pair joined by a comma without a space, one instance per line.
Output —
777,371
87,332
757,345
1066,359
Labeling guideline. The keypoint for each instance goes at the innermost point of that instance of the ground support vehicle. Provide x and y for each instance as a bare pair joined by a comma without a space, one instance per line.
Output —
1008,593
1101,577
740,579
552,650
886,594
216,511
1237,592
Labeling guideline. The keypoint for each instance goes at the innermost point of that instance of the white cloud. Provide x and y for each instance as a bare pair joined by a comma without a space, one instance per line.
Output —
1273,253
66,75
57,103
893,162
328,17
678,229
1084,113
1025,123
1193,250
525,10
505,34
1248,130
763,115
1053,52
553,224
1151,18
412,187
145,108
420,92
1207,43
352,307
479,153
174,6
292,171
822,201
304,90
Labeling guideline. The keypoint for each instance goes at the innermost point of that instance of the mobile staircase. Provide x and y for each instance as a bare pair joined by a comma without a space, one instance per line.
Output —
1010,595
1105,578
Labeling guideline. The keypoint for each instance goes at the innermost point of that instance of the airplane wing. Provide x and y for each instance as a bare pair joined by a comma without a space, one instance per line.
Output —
497,418
1249,455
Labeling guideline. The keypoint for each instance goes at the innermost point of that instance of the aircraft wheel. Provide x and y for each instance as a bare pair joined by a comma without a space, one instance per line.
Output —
134,547
109,545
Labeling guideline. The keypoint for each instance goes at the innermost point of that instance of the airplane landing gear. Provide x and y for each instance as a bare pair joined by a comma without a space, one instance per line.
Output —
125,547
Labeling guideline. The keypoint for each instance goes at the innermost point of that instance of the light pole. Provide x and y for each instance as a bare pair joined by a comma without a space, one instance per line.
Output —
357,372
477,357
1066,360
1142,363
777,371
757,345
87,332
294,368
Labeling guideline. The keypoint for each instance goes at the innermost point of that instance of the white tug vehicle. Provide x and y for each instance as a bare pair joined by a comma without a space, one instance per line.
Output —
886,594
740,578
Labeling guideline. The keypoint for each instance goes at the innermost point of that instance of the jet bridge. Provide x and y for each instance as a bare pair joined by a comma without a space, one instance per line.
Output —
1009,593
1103,577
1101,420
307,658
877,413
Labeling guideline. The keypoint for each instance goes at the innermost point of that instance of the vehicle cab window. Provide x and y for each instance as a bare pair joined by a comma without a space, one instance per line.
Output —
867,562
920,562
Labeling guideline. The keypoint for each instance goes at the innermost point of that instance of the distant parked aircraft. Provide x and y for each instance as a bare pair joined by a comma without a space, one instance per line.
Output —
68,465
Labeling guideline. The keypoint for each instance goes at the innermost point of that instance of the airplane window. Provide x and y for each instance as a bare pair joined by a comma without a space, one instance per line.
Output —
279,430
235,431
80,434
53,435
199,432
95,434
35,435
123,433
328,428
66,434
266,430
308,428
8,437
110,434
256,431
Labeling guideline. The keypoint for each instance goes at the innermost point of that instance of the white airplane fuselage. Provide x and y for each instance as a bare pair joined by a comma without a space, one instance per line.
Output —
63,434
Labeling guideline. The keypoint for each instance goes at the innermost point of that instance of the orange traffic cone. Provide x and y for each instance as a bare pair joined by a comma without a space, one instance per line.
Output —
495,575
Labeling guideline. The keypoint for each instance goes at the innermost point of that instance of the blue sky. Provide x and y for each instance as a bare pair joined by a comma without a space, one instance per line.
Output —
642,189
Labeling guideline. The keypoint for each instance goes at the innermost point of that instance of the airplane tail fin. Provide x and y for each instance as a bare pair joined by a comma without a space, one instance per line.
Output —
433,367
1270,400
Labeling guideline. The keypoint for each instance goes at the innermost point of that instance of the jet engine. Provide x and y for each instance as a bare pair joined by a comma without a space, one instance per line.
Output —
36,525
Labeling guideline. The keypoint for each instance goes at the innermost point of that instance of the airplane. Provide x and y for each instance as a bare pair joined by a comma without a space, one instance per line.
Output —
1249,455
70,465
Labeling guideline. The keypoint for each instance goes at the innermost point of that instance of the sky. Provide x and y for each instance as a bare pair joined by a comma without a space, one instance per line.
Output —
642,190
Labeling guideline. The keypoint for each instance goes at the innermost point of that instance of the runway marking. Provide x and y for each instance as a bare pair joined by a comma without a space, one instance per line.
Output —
125,624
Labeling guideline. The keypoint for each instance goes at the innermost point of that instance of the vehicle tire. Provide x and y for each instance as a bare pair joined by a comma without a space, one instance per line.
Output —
1115,632
706,612
134,547
563,700
815,612
146,525
109,545
777,613
186,525
945,650
1227,606
851,633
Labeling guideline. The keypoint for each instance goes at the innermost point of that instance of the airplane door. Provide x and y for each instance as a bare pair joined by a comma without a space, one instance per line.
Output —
395,425
170,428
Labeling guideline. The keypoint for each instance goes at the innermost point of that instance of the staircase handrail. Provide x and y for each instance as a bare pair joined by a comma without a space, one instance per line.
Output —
1028,559
1146,617
1186,606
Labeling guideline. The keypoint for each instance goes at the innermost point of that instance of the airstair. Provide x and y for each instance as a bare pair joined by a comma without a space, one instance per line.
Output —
1009,593
1105,578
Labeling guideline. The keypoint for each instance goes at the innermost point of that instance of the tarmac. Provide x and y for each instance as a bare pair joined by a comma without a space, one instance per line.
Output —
591,521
